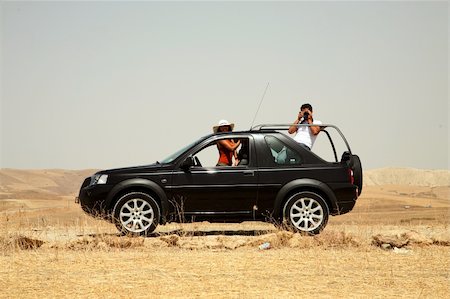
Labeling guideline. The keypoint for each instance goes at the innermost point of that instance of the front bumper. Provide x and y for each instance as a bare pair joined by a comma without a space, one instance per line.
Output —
92,198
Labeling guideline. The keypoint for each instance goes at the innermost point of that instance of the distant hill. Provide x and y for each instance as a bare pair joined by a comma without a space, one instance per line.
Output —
406,176
56,183
41,184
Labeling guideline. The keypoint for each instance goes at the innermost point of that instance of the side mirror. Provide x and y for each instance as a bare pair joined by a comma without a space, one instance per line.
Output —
187,163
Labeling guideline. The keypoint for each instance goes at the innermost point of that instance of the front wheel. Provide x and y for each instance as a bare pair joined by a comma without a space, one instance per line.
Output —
306,212
136,213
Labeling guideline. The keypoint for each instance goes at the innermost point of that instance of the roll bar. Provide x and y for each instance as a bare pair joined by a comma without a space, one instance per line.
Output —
268,127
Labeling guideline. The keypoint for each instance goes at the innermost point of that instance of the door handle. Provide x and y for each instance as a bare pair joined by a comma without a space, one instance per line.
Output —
249,173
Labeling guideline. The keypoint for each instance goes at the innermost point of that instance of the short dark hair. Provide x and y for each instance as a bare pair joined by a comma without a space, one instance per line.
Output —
307,106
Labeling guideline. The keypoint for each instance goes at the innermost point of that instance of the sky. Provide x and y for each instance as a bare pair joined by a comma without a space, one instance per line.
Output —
113,84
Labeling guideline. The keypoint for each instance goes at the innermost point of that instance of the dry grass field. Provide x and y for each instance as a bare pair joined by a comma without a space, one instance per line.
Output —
395,243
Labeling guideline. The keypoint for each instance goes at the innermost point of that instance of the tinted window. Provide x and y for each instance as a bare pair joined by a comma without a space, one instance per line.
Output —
282,153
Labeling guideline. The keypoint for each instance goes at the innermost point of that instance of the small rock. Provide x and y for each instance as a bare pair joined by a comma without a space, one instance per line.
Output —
264,246
392,240
386,246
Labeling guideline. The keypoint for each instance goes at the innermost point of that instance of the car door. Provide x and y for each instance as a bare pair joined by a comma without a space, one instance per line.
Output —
209,190
279,163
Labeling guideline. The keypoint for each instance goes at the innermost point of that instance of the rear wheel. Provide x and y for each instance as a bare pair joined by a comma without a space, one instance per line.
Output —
136,213
306,212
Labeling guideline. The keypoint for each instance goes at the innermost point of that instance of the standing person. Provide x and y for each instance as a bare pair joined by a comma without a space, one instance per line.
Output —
227,147
306,135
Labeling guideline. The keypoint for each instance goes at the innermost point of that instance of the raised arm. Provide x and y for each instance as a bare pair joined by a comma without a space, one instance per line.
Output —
229,144
294,128
314,129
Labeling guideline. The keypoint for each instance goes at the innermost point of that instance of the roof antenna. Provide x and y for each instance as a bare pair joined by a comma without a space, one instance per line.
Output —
260,102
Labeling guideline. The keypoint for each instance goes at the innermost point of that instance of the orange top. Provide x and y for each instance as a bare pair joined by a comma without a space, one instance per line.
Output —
225,156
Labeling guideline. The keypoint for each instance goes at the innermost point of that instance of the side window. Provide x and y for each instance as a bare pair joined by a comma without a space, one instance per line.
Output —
208,156
282,154
329,145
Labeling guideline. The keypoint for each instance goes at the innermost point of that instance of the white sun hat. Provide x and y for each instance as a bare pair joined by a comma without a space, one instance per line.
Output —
223,122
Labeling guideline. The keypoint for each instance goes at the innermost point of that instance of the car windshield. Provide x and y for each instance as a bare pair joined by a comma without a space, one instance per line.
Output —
182,150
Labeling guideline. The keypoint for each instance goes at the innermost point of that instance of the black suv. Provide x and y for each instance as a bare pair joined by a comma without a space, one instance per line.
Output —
277,179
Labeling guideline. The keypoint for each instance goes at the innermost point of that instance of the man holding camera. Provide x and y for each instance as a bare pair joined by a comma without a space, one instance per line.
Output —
306,135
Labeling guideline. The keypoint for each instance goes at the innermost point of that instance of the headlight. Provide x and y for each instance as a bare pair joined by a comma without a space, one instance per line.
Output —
99,179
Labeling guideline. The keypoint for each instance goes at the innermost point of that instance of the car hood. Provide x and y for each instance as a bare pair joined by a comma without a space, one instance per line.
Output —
138,169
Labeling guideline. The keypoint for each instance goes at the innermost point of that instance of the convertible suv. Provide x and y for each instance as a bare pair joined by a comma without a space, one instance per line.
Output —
275,179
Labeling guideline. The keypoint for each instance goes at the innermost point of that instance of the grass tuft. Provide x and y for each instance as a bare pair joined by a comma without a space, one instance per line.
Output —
14,242
105,242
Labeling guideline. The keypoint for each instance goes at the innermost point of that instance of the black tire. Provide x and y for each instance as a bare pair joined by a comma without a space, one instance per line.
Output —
136,213
306,212
357,173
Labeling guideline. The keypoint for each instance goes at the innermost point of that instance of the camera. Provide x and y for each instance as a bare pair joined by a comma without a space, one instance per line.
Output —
305,115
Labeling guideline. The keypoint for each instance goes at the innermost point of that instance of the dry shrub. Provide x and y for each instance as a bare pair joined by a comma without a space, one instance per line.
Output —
273,239
19,242
410,238
417,239
336,240
105,242
440,242
282,239
199,243
123,242
277,240
301,241
231,243
23,242
171,240
297,240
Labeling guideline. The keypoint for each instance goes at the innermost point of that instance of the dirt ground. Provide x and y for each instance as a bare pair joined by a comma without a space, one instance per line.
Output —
395,243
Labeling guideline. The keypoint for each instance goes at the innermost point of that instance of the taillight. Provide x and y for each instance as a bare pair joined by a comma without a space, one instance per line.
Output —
350,176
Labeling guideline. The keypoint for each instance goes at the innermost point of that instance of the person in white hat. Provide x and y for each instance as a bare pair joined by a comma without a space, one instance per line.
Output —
224,126
227,147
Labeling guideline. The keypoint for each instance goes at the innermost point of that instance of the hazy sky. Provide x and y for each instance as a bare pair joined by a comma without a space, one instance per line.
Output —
112,84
